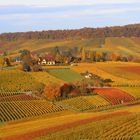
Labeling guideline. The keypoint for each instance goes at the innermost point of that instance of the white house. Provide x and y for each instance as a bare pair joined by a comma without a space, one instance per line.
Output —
51,63
88,76
43,62
48,59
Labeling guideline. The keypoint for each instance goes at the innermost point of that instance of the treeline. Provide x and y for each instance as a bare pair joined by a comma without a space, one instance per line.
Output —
95,56
116,31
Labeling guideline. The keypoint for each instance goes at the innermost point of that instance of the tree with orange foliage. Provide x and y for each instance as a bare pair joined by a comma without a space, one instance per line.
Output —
52,91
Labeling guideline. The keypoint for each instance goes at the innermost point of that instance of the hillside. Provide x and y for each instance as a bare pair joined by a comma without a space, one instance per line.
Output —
121,45
124,40
116,31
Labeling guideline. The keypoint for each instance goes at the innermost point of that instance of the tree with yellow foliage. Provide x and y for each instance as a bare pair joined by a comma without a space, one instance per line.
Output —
83,54
1,62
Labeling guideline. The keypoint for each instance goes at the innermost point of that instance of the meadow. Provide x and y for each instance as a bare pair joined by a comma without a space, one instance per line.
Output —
65,74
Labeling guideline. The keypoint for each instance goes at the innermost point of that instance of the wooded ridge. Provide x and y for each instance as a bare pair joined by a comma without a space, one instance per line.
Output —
132,30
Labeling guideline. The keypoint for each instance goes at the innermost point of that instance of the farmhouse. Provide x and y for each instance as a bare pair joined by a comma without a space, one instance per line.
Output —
48,59
51,63
88,76
43,62
17,59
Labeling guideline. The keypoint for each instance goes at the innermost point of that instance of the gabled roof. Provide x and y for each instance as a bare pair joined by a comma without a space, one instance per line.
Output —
49,57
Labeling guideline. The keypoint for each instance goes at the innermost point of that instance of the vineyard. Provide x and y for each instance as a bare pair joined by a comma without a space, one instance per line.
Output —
15,80
21,97
45,78
84,103
8,93
109,70
132,69
129,71
126,130
113,95
134,91
122,127
105,113
16,110
18,81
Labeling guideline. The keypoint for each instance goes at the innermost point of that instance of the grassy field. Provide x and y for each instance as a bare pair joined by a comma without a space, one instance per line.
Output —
65,74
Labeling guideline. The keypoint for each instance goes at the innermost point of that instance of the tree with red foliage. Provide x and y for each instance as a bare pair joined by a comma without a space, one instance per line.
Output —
7,61
75,92
66,89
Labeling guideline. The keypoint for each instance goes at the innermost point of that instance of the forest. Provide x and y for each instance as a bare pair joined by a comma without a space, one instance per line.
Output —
84,33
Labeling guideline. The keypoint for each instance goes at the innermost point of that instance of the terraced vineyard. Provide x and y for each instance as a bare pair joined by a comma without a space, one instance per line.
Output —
83,103
113,95
16,110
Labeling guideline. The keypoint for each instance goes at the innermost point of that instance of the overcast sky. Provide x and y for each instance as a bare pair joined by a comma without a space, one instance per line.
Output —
31,15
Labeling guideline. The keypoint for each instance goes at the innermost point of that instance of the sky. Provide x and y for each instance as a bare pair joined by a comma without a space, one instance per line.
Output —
38,15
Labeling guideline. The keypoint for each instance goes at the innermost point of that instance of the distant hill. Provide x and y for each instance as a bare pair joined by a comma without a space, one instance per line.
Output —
121,39
116,31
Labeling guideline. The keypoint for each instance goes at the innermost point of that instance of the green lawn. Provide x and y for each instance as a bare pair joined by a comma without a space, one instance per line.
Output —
65,74
136,138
